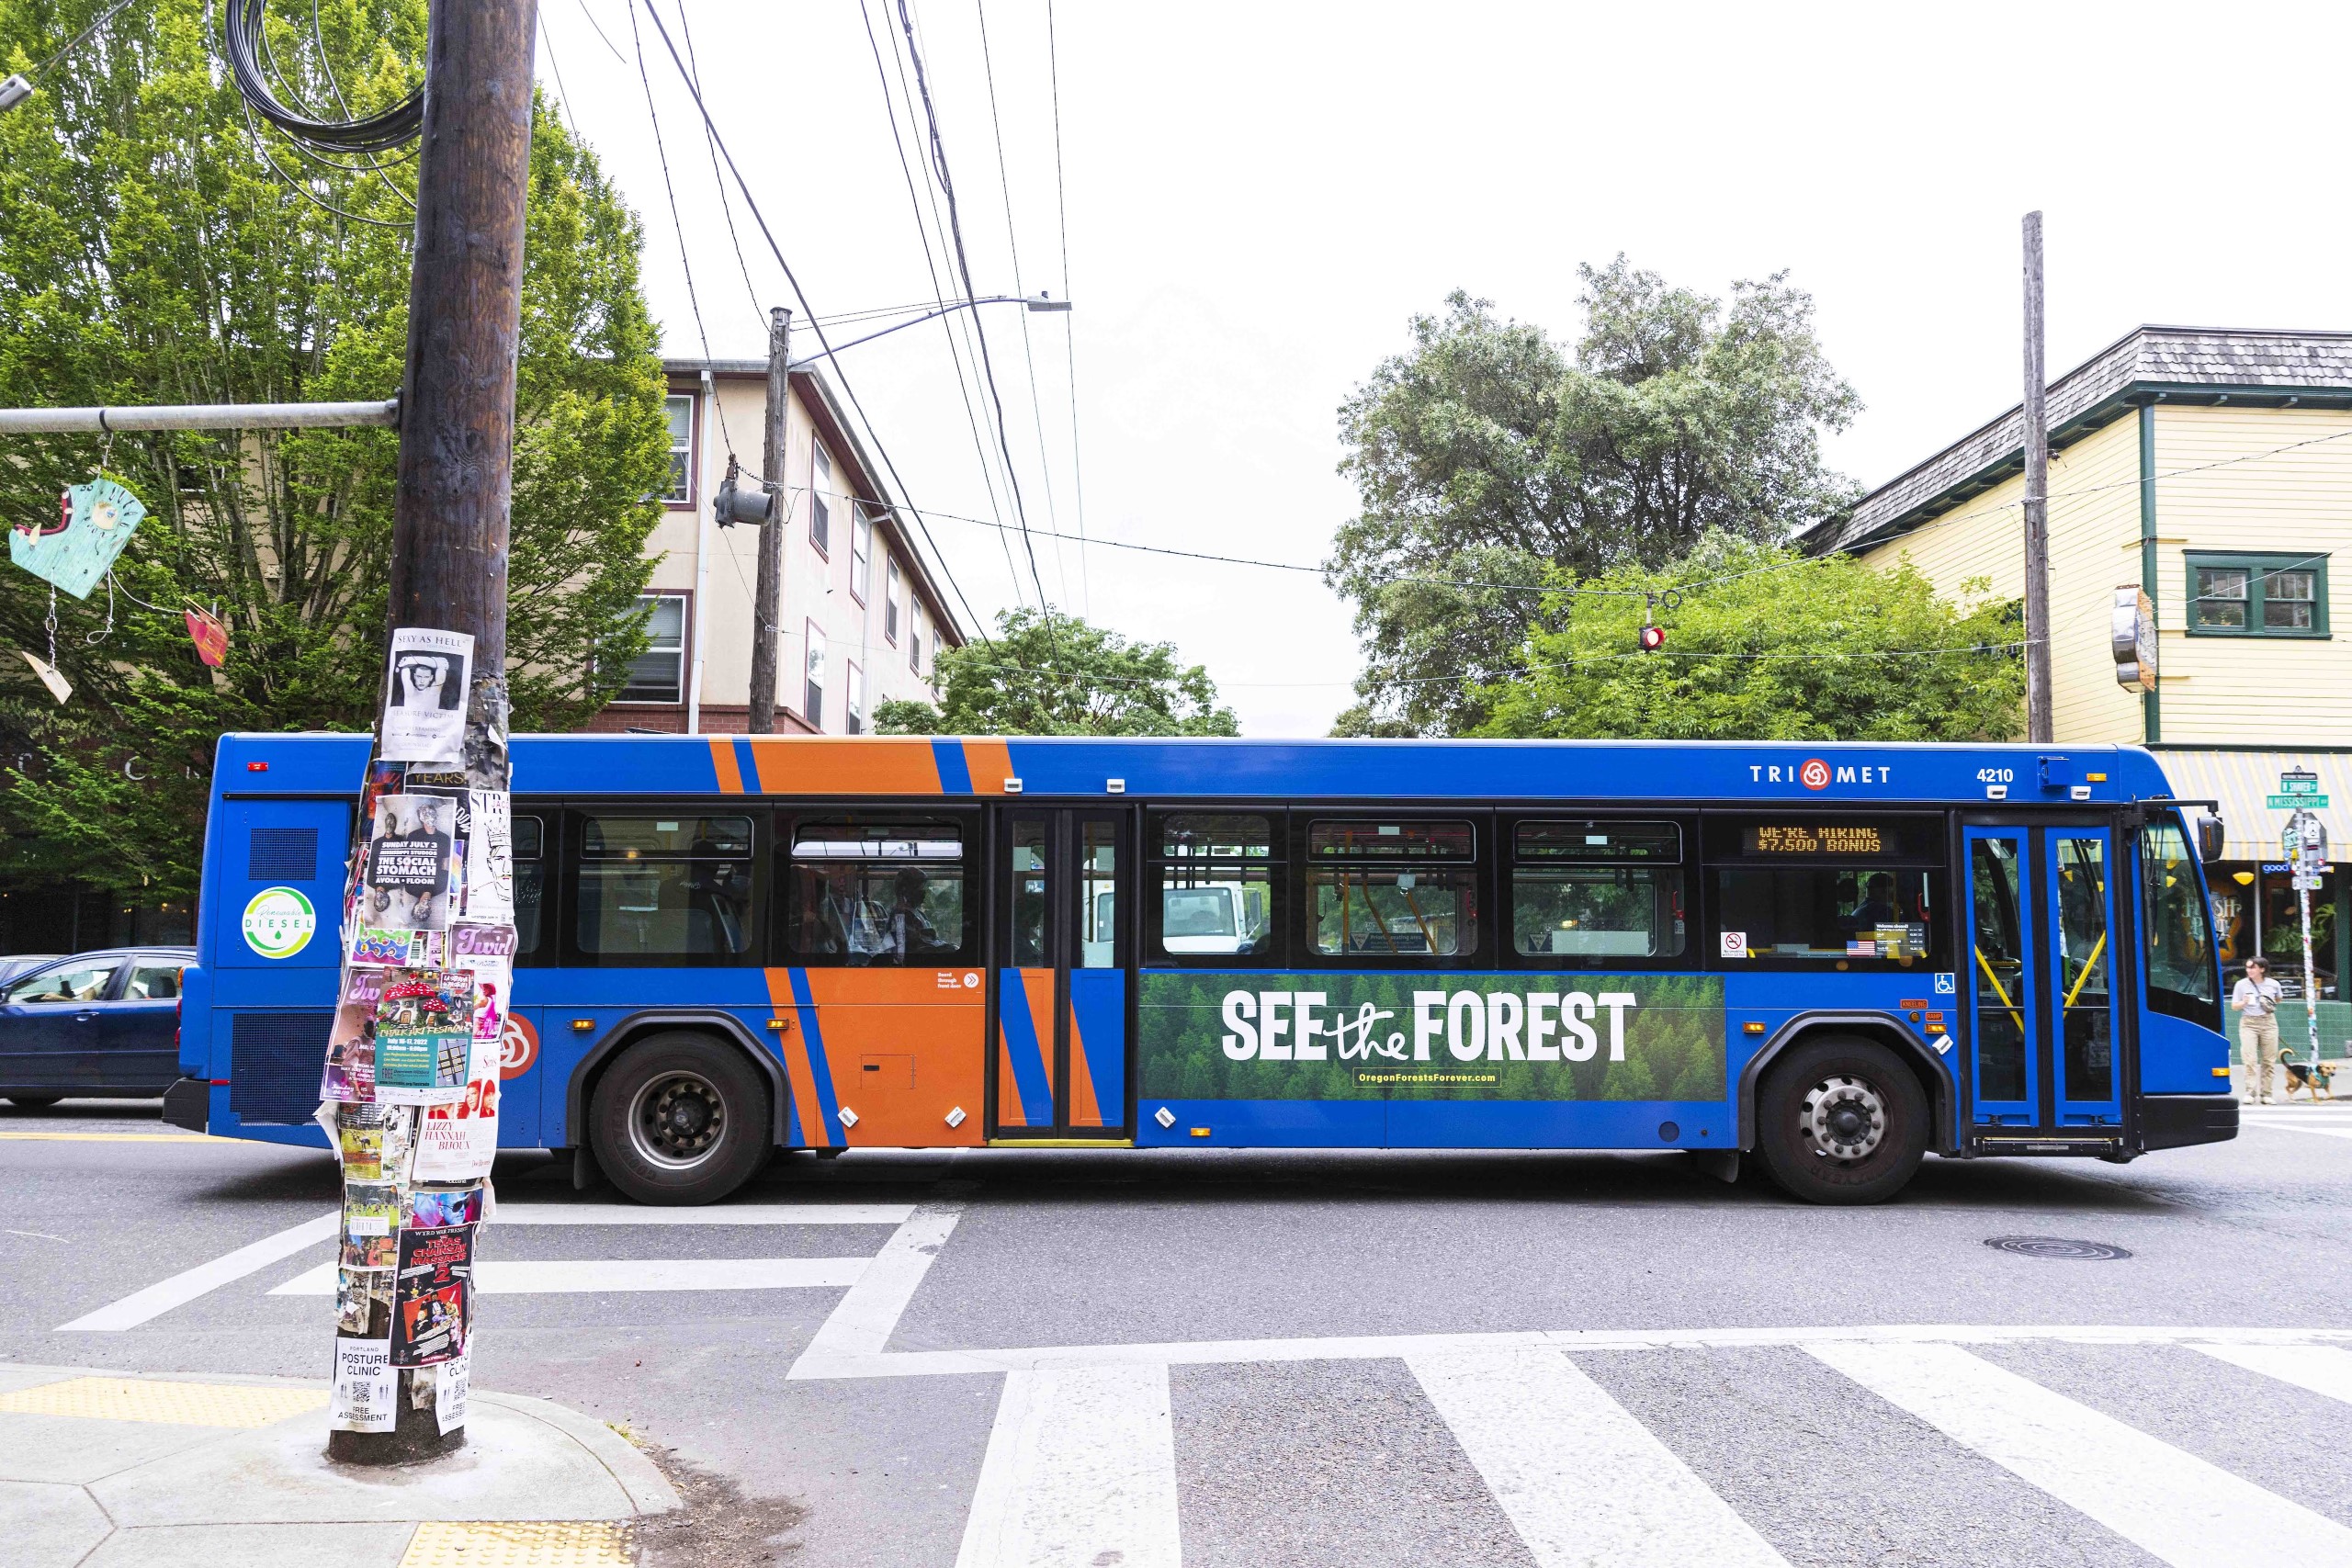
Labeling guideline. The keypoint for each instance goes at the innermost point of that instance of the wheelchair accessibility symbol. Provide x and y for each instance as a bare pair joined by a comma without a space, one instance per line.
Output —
1944,985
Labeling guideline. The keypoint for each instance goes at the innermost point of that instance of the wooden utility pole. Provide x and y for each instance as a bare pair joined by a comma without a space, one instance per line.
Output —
2037,500
768,593
456,446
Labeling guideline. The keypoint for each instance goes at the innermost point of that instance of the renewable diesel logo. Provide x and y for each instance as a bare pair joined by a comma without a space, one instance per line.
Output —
279,922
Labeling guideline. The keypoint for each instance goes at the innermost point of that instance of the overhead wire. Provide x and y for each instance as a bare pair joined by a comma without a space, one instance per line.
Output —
848,389
1012,244
964,267
726,208
244,24
1070,327
971,414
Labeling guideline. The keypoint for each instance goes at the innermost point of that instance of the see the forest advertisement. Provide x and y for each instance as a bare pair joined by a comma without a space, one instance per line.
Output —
1423,1036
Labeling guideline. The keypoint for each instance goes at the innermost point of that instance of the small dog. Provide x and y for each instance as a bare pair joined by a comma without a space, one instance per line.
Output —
2319,1077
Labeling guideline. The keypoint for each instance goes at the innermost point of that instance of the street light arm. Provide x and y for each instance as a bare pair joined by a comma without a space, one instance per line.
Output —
1038,304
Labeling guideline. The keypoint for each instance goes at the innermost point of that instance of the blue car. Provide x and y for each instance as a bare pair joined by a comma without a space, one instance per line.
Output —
97,1025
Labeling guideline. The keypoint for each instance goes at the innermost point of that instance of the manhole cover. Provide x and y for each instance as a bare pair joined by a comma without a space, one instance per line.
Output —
2054,1247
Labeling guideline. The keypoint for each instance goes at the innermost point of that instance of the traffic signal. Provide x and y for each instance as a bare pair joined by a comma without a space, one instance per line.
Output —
735,505
1652,638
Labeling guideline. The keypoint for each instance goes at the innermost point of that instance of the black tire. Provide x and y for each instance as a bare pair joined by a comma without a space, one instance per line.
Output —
1841,1120
681,1119
34,1102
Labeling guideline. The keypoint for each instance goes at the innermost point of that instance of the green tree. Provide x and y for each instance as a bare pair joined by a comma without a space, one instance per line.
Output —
1062,676
1489,454
153,254
1767,644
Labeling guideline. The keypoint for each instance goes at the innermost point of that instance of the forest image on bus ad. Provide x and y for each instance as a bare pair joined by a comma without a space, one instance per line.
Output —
1423,1036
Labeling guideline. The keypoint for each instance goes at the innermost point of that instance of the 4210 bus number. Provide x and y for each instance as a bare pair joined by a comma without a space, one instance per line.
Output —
1997,775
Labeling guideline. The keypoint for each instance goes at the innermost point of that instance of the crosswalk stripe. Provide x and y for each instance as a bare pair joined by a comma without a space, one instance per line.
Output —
1080,1470
511,1277
185,1287
1581,1479
2170,1504
714,1215
2319,1368
2303,1127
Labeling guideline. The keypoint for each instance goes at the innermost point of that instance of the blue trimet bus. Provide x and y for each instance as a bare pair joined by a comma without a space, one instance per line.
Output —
1835,959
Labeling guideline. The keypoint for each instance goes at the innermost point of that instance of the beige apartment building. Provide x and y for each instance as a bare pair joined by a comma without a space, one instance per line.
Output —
865,610
2211,469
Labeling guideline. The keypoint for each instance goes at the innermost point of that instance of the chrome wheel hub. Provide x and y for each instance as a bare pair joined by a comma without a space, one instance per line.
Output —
677,1120
1844,1118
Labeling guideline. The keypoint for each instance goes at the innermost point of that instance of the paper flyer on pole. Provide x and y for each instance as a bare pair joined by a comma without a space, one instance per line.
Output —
425,1027
452,1382
372,1217
489,859
432,1295
457,1142
409,871
364,1387
425,716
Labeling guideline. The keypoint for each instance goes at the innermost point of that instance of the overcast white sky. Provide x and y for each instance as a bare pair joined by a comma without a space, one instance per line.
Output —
1260,196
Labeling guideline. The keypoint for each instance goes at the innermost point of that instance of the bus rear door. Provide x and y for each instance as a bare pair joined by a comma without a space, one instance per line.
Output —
2042,1012
1064,879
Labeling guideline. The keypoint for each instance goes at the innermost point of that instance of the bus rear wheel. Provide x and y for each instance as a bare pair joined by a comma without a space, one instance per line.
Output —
1841,1121
680,1119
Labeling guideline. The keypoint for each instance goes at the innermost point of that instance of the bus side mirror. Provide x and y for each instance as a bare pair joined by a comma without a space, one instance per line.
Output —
2212,839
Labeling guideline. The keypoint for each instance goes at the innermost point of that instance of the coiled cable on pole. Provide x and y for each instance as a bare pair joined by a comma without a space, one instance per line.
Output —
242,22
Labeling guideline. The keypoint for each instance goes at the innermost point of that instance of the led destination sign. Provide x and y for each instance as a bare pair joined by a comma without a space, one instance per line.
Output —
1814,838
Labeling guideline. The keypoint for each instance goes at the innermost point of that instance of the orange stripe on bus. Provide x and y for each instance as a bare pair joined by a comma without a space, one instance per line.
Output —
722,761
1009,1112
1037,990
1085,1109
841,764
798,1072
989,762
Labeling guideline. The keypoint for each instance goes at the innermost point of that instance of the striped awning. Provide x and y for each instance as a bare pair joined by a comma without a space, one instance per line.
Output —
2242,782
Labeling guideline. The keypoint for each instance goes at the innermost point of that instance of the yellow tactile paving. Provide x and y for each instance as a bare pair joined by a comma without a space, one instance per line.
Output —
170,1404
551,1544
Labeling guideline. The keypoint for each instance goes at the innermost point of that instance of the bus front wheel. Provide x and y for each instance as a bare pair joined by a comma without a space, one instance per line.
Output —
1841,1121
680,1119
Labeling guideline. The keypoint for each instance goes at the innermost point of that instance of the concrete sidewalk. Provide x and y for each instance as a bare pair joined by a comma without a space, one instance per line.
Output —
99,1469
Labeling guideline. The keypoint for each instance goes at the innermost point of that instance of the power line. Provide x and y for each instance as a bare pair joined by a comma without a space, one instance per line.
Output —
939,294
964,267
848,390
726,208
1028,352
685,262
1070,328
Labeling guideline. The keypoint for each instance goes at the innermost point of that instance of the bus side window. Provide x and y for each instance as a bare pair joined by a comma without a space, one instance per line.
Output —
1392,888
1214,874
867,890
663,888
1596,892
530,885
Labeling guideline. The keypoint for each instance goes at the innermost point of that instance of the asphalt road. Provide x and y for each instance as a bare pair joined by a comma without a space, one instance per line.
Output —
1234,1358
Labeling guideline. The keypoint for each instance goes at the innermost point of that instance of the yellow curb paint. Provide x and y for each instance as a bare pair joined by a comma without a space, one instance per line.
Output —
165,1404
558,1543
121,1138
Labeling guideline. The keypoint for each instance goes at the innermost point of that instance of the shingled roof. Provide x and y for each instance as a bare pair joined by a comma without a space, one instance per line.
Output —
2149,364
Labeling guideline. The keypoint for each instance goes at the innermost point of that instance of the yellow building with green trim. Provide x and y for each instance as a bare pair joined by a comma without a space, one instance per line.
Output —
2211,469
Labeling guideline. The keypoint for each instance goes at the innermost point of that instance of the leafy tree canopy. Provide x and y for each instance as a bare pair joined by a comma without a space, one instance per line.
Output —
154,255
1062,676
1489,455
1767,644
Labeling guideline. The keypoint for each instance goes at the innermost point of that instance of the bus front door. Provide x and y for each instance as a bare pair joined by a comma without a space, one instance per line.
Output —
1064,876
2041,1007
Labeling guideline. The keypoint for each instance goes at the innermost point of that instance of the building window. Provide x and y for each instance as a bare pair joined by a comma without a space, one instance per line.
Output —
853,700
914,636
861,554
812,691
820,487
659,674
681,411
890,607
2258,595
